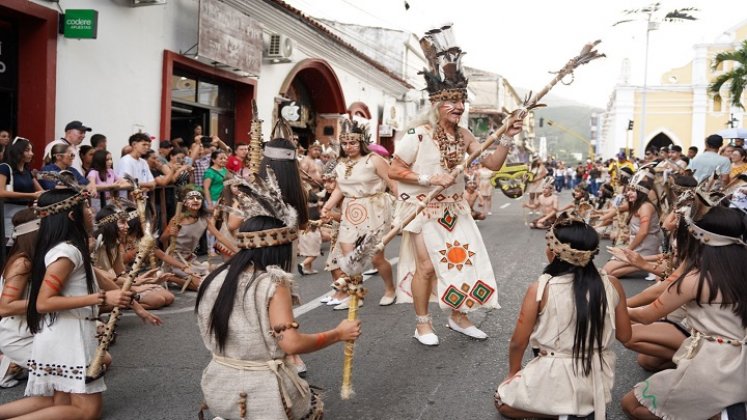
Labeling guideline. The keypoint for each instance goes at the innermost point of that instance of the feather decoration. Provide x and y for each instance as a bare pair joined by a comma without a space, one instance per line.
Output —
65,178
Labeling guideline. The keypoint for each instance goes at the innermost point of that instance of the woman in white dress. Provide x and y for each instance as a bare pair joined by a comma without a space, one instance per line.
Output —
62,309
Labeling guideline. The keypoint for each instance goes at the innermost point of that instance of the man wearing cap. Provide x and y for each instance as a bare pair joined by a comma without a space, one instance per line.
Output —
709,162
75,132
622,162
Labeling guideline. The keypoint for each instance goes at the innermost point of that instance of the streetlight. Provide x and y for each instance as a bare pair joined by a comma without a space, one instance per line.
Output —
652,23
732,121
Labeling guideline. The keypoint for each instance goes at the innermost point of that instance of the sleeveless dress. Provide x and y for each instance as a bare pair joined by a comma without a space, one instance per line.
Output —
465,275
366,206
548,383
651,245
711,371
63,349
251,361
187,241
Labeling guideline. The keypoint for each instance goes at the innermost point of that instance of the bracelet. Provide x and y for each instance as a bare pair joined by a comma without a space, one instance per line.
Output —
102,298
424,180
505,141
278,329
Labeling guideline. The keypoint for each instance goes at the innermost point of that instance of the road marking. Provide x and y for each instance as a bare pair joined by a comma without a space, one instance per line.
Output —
503,206
314,303
305,308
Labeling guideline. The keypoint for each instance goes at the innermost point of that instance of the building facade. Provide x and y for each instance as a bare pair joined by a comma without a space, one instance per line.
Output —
679,109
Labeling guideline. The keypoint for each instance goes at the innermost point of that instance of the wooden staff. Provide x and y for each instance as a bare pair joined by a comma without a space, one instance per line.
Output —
178,219
356,292
145,248
587,54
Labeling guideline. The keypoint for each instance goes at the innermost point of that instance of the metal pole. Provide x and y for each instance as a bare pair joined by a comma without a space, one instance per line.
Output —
650,26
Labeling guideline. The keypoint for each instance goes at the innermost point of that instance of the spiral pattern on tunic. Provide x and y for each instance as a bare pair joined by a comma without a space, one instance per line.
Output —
356,213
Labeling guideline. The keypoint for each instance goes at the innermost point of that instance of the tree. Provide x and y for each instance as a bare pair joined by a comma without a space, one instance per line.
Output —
737,77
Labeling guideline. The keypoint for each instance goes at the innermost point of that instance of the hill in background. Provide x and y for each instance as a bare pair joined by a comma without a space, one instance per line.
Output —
572,115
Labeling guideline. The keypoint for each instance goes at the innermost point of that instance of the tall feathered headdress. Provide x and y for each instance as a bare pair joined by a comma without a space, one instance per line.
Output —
264,198
354,130
445,80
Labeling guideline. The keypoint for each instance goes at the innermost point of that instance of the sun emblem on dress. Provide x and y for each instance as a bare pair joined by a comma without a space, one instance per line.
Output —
456,255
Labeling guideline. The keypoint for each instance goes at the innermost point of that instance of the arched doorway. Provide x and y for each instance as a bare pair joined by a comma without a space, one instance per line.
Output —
660,140
314,86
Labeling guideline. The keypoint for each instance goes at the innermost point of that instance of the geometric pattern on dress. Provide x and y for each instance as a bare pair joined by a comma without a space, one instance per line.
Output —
406,284
456,255
420,197
448,221
440,197
453,297
404,196
356,213
481,292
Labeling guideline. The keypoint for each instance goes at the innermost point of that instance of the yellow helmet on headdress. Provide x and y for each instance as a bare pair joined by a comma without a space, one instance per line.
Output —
445,80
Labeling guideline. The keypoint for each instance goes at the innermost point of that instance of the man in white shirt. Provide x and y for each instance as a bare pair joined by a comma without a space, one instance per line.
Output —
132,164
75,132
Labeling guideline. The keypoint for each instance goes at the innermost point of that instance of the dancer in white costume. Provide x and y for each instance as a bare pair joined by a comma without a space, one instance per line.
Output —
442,252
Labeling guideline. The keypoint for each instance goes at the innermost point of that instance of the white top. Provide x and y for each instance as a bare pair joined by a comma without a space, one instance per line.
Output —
136,168
77,163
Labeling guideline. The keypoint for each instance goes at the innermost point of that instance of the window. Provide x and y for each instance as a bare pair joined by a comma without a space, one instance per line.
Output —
717,103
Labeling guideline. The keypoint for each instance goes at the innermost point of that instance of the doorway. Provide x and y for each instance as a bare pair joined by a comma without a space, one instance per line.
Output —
184,118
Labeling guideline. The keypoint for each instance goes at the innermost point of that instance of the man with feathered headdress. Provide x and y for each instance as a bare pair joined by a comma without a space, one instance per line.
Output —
442,251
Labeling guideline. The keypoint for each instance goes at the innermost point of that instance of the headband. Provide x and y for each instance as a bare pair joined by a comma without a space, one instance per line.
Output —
193,193
61,206
640,188
449,95
709,238
279,153
266,238
563,250
25,228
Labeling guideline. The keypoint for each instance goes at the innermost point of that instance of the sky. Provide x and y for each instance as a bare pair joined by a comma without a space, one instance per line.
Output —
525,39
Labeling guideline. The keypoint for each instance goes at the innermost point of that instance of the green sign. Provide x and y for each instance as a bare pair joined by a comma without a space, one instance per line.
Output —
80,23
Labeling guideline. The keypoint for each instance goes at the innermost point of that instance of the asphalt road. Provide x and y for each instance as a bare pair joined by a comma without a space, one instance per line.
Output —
156,371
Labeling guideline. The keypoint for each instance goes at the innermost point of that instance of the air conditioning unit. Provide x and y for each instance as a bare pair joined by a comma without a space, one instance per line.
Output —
137,3
279,48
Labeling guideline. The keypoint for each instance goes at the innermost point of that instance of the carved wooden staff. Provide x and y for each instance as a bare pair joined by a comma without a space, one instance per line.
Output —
532,101
178,219
145,248
588,53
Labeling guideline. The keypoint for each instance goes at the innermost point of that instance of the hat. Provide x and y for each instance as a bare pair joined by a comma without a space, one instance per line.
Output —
76,125
621,155
714,140
445,80
165,144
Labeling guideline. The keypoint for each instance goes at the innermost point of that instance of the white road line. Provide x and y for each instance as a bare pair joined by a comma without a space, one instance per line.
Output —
308,307
314,303
504,205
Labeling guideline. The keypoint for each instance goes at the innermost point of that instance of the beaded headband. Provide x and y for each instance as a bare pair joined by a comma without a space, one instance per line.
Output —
266,238
709,238
61,206
25,228
641,188
193,193
120,215
449,95
563,250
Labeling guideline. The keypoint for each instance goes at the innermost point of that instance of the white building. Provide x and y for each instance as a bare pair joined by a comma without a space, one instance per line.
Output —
175,63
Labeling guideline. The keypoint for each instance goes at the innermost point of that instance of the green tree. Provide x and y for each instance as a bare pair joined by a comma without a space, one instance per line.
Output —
737,77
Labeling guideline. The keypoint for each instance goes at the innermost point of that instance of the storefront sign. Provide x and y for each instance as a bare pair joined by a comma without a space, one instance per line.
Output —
228,36
80,23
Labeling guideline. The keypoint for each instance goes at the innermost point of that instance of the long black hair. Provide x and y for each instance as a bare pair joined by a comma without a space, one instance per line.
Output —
723,268
98,163
108,231
55,229
640,199
289,179
259,259
14,154
588,291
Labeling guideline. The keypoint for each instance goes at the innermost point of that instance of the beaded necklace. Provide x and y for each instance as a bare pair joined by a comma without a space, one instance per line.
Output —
349,164
451,147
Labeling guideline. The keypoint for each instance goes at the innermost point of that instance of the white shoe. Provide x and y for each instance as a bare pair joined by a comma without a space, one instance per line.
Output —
346,304
371,272
325,299
387,300
428,339
470,331
650,277
334,301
